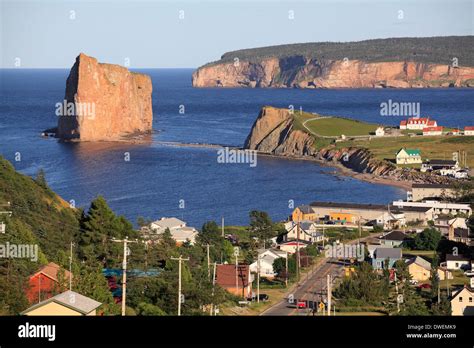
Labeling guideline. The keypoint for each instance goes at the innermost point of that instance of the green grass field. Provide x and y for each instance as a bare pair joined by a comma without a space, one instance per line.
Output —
335,127
436,147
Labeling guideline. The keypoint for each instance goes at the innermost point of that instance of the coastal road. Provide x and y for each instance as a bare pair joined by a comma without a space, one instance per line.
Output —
311,288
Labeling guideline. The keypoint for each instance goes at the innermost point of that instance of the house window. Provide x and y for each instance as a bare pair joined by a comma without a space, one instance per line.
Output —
456,264
460,299
470,299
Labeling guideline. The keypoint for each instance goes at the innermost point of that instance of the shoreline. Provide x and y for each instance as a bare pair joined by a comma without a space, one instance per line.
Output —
344,171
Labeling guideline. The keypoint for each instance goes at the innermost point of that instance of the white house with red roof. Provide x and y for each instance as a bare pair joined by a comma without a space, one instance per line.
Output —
418,123
430,131
469,130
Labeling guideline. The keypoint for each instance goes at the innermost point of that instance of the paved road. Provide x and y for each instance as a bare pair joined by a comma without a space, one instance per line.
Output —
312,288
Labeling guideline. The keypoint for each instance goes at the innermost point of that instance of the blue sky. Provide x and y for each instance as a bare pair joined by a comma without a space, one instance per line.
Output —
151,34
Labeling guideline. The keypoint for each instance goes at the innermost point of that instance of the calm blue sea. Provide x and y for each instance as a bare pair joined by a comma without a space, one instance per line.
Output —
158,178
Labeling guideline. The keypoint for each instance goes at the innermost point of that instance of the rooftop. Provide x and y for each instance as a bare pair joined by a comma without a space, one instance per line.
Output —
388,253
70,299
348,205
394,235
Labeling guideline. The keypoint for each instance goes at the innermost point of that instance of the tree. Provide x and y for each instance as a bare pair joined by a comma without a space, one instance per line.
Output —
427,240
261,226
99,226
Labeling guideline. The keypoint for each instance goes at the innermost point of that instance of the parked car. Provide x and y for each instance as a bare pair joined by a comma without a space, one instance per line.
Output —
302,304
424,286
263,298
413,281
469,273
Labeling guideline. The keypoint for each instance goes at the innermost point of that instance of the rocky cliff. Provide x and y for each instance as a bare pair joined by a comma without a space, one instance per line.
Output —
382,63
104,102
274,132
301,72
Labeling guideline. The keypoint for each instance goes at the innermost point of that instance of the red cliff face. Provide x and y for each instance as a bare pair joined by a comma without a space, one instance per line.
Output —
104,102
301,72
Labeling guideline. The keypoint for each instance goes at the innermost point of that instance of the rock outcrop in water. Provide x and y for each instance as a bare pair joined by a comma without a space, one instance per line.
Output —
382,63
104,102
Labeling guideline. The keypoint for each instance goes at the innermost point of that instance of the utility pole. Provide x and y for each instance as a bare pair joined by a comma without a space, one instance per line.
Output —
208,263
124,269
180,259
70,267
286,273
396,288
329,294
297,252
222,225
213,289
236,274
258,278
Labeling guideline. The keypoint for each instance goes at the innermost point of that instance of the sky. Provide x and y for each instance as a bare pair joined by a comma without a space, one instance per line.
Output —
188,34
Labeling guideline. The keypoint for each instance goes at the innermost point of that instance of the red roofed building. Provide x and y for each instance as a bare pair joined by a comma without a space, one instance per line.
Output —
433,131
46,283
226,276
418,123
468,130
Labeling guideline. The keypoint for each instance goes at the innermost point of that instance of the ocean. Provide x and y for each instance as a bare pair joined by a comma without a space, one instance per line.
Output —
161,180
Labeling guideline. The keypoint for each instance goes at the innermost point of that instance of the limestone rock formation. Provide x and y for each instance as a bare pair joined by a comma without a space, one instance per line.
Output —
273,132
104,102
301,72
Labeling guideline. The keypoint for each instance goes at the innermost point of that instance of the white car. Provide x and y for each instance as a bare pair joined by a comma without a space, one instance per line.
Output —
413,281
469,273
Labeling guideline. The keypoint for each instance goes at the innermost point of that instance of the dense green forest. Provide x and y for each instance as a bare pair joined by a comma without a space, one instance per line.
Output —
440,50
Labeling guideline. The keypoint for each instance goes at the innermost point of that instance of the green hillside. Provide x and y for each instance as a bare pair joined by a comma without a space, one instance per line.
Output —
439,50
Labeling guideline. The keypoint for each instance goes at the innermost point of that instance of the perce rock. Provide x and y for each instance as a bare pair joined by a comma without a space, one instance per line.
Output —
108,102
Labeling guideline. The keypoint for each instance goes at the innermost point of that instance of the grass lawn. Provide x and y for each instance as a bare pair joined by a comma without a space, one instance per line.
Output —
436,147
336,126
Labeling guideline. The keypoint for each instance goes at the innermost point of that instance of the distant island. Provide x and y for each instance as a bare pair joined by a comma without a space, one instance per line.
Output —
104,102
366,151
381,63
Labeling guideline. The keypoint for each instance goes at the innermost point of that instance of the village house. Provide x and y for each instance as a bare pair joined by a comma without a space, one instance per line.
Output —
392,220
303,212
431,131
393,239
178,229
236,280
437,206
47,282
379,132
417,123
459,235
408,156
368,212
343,218
469,130
308,232
292,246
267,257
419,268
438,164
444,223
382,255
423,191
68,303
457,262
462,302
